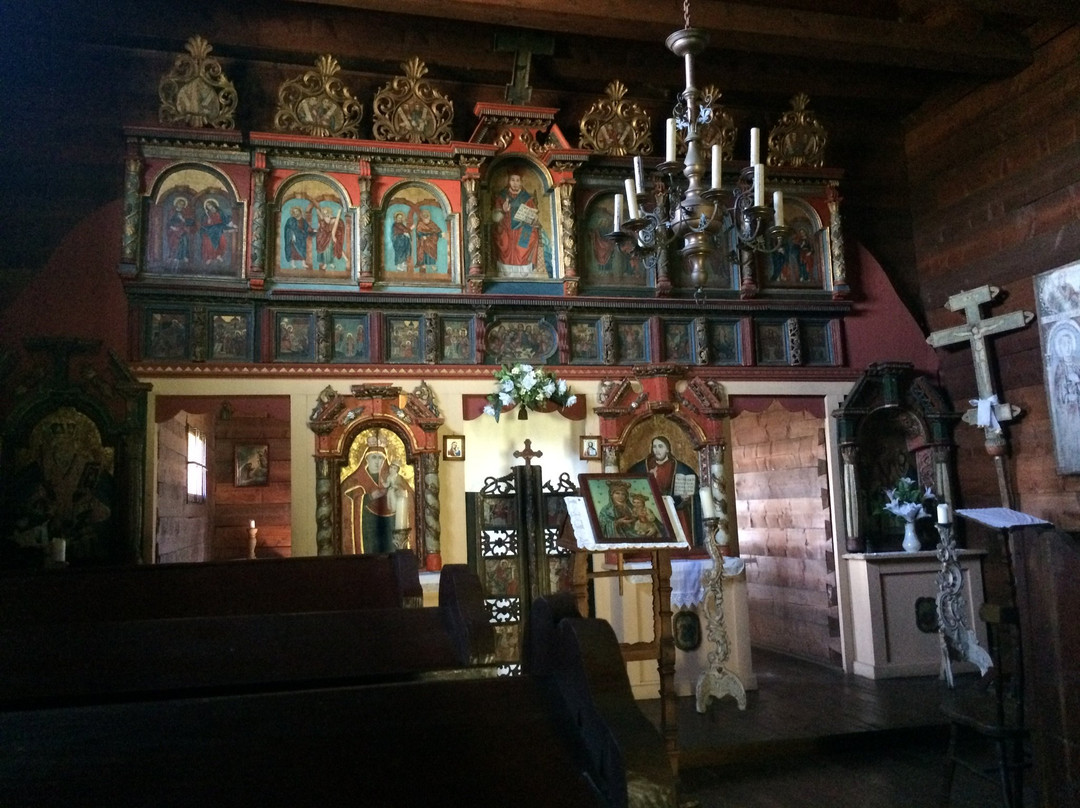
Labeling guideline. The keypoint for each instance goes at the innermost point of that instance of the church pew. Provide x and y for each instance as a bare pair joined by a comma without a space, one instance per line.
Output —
263,586
58,656
477,742
125,659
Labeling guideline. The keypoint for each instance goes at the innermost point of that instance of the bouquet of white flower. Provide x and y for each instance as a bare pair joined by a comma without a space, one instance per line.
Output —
527,387
906,500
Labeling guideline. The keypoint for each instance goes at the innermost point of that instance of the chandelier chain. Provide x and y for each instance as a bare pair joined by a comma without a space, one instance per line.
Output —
686,13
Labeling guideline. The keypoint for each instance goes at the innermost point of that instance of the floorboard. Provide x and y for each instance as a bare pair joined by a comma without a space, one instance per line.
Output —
814,736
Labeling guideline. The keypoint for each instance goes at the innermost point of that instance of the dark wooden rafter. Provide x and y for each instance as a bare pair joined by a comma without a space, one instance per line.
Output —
769,30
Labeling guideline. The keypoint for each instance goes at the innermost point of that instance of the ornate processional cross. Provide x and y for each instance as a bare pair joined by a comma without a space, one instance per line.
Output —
528,453
987,412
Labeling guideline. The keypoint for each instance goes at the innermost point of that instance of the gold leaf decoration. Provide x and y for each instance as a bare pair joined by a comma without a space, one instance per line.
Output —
799,139
616,127
410,110
318,103
196,92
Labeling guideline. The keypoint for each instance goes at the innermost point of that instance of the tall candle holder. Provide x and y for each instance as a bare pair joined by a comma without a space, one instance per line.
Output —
952,629
401,538
717,681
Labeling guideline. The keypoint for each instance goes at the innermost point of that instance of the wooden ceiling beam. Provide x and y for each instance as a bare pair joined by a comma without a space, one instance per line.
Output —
766,30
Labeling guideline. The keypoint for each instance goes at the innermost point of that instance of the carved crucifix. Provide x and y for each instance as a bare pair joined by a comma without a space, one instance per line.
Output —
523,45
528,453
987,412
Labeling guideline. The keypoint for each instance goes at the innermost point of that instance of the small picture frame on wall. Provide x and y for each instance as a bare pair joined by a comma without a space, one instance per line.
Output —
251,464
589,447
453,447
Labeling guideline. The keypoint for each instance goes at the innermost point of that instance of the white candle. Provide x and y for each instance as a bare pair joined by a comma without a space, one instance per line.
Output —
639,175
716,165
618,212
755,146
401,518
778,206
944,514
58,550
252,524
708,506
759,185
631,199
669,155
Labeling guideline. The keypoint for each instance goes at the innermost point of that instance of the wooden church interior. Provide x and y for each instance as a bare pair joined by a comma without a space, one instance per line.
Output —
261,504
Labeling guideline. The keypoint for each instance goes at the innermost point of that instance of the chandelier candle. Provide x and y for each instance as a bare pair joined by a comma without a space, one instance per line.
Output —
717,163
631,199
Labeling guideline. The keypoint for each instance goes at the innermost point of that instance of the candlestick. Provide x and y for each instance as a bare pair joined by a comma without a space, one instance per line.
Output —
708,505
778,206
759,185
631,199
253,539
639,175
618,212
944,514
669,152
755,146
717,162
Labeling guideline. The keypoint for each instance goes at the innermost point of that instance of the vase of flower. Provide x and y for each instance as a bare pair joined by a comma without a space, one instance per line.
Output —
911,539
906,502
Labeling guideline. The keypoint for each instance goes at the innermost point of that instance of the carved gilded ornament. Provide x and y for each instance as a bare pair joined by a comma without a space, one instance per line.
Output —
799,139
410,110
616,127
196,92
717,125
318,103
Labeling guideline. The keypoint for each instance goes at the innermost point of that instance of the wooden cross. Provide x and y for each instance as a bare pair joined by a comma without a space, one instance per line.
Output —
528,453
975,330
523,45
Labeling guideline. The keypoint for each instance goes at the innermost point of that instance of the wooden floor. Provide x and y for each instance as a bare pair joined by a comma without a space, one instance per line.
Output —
813,736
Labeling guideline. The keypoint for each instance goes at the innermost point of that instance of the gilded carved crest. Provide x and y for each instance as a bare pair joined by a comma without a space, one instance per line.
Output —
195,92
616,127
318,103
798,140
717,125
410,110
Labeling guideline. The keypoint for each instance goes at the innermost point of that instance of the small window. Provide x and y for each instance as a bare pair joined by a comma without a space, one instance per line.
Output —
196,465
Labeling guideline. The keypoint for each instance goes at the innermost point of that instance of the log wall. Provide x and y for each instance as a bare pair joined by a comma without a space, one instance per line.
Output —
996,186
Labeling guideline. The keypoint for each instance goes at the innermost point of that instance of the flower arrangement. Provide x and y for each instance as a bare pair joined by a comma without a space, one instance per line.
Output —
906,500
528,387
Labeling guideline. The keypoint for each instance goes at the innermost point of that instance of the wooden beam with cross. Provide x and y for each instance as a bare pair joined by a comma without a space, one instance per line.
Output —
987,413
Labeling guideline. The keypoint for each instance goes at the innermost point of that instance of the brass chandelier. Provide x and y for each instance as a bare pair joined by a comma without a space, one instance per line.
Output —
687,204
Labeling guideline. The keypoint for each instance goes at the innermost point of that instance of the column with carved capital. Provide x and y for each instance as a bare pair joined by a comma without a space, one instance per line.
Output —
257,260
367,272
132,216
568,238
473,251
324,508
836,244
855,542
429,463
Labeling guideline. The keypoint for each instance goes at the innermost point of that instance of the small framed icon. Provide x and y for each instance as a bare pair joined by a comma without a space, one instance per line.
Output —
453,447
589,447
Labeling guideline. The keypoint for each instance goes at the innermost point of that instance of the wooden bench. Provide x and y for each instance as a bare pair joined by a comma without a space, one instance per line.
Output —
264,586
77,636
